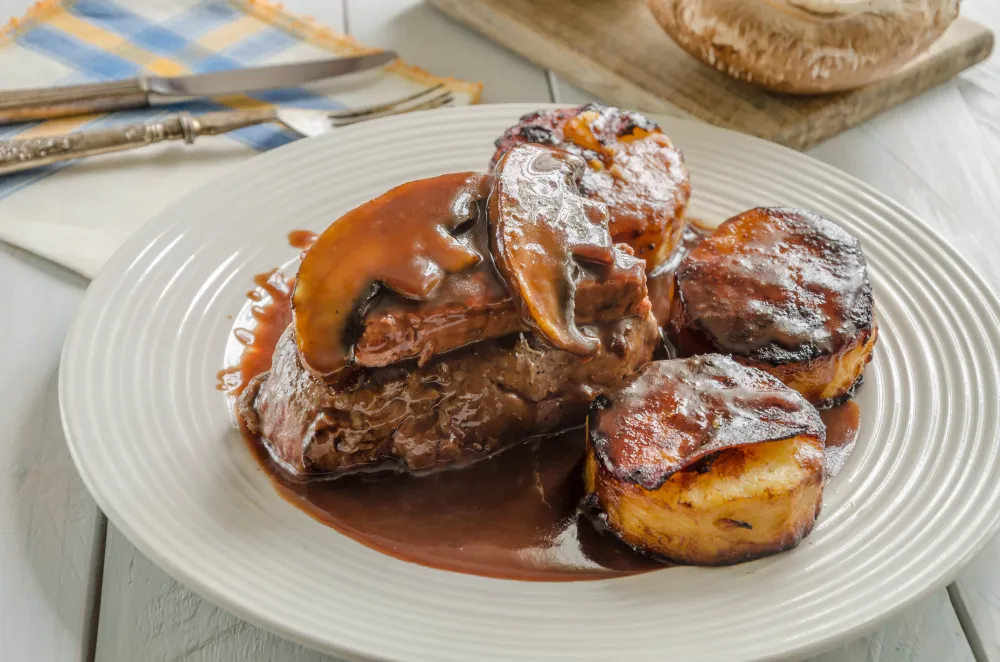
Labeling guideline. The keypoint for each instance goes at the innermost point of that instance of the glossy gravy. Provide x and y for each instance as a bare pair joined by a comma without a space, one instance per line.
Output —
775,285
302,239
842,425
512,516
335,285
671,414
661,281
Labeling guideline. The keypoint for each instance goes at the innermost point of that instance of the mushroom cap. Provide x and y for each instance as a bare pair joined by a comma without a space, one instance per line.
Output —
805,46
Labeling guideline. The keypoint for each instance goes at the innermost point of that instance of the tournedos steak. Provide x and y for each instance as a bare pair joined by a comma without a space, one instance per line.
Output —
459,407
429,332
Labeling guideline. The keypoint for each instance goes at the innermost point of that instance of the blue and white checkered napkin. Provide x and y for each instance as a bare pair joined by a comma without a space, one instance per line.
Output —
78,213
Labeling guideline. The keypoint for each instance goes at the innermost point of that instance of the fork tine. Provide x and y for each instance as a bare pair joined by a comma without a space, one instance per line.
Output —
382,107
434,102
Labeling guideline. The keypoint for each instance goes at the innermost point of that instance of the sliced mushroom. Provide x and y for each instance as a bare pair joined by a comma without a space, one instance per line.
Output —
541,225
632,167
402,240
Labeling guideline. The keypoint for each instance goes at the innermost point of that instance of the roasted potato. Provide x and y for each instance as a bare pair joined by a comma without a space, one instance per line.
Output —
783,290
705,461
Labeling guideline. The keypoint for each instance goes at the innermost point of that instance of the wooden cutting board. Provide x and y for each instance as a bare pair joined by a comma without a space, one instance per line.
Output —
616,51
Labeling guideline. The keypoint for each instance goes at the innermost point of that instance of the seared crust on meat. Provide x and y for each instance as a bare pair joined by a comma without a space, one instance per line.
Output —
705,461
473,305
472,308
634,169
458,408
783,290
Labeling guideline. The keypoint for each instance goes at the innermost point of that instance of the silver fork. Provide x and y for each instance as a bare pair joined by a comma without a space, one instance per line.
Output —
17,155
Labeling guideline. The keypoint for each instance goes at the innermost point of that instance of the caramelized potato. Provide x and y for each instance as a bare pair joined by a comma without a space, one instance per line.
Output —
704,461
632,167
783,290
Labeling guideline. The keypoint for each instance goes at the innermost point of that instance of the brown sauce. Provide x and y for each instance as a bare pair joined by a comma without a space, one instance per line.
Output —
270,313
474,305
842,425
302,239
775,285
511,516
633,168
360,252
660,282
671,414
541,232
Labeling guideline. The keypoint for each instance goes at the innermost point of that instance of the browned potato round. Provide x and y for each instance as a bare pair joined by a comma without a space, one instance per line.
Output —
704,461
783,290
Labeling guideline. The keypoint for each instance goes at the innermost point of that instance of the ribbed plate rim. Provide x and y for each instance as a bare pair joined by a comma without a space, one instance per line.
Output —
148,233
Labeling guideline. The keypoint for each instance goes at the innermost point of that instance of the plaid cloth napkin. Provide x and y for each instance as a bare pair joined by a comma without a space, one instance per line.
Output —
78,213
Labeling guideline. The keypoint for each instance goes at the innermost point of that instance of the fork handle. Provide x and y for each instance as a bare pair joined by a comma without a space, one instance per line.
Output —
46,103
17,155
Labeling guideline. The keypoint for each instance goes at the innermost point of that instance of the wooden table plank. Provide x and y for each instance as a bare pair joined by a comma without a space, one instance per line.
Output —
615,49
927,631
425,38
976,595
958,126
146,615
50,530
161,620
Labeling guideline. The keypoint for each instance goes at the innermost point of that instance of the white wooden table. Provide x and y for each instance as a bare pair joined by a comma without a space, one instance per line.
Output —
72,588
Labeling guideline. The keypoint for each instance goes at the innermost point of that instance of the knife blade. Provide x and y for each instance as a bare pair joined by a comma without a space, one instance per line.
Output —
234,81
47,103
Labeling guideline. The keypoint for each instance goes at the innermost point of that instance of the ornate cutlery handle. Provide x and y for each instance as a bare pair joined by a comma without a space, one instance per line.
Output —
40,104
16,155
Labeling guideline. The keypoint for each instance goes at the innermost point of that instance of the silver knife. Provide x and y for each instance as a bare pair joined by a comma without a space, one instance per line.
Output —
46,103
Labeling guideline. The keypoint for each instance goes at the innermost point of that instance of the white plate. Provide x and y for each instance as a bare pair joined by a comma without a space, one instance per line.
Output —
151,435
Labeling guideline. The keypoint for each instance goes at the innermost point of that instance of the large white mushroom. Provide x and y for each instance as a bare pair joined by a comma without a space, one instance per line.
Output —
805,46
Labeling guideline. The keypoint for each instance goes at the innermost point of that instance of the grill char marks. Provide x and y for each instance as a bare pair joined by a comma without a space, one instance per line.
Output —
777,285
672,414
706,461
784,290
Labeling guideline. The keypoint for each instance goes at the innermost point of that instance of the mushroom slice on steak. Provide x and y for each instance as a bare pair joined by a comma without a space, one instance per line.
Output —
543,231
402,240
